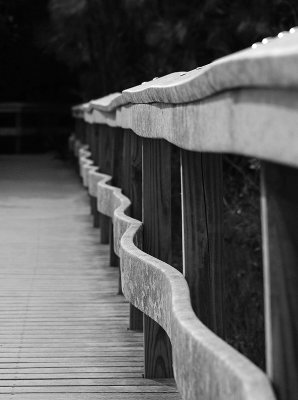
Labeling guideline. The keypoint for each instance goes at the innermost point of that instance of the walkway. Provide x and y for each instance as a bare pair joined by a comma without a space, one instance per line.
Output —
63,328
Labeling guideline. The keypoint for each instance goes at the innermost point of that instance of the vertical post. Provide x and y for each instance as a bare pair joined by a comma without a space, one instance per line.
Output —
104,156
83,135
157,242
89,142
89,135
94,151
132,188
116,138
279,199
202,200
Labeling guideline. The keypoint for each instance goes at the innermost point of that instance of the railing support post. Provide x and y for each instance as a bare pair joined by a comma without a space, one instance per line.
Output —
202,201
280,252
116,139
132,188
157,242
104,159
92,142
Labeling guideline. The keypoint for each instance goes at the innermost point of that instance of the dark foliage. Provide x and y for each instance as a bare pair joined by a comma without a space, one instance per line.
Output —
115,44
28,73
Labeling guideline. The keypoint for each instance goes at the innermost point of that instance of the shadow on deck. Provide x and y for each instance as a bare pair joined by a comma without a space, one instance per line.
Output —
63,328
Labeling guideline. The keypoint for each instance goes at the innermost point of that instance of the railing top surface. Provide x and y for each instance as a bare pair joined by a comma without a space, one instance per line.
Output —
271,63
108,103
238,104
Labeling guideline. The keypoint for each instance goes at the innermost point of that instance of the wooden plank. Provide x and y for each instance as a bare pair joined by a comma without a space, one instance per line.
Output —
73,370
132,383
156,165
202,199
280,238
63,330
70,375
86,389
91,396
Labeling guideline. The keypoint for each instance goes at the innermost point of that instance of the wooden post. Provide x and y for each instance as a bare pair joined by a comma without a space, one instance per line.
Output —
280,252
89,135
132,188
114,259
157,242
202,200
94,152
88,128
116,138
93,142
104,156
82,131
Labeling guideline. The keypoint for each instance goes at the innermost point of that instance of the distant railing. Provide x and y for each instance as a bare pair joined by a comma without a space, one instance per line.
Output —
20,120
246,104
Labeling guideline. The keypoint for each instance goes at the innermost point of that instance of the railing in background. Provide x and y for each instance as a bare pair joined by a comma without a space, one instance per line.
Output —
44,122
246,104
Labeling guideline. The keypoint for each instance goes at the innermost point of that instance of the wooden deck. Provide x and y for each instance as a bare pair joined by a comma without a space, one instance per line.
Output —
63,329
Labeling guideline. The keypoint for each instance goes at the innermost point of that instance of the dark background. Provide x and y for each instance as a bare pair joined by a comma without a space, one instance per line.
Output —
73,50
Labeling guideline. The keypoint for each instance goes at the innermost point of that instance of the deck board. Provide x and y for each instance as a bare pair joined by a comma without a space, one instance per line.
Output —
63,327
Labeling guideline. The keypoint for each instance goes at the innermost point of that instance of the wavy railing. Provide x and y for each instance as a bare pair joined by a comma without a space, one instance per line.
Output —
205,110
162,293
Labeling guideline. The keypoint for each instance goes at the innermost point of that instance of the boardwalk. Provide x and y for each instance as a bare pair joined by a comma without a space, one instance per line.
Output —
63,329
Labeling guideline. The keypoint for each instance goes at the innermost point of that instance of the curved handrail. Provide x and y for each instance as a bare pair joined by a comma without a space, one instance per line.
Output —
166,300
271,65
245,121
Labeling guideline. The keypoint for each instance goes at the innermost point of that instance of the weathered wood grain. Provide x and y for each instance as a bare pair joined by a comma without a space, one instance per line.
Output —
280,238
157,241
246,122
202,199
272,65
